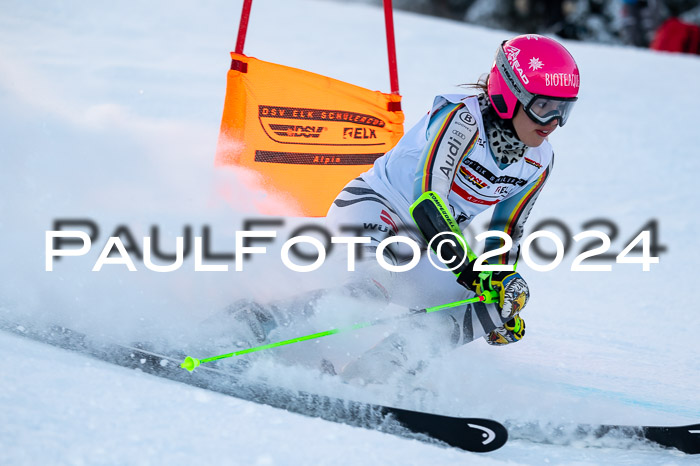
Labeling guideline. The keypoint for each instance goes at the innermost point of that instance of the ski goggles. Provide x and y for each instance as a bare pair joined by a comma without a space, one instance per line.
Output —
543,109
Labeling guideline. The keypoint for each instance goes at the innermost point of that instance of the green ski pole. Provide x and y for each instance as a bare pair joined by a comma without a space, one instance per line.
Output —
191,363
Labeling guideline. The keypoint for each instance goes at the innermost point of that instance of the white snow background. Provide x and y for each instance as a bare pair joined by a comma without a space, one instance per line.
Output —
111,110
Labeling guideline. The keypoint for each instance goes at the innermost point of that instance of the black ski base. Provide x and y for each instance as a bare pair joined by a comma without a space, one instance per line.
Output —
470,434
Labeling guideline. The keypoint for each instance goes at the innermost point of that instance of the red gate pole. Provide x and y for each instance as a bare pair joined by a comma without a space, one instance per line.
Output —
391,46
243,26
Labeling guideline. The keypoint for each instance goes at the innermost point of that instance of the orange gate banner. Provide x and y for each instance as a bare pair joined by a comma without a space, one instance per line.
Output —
307,135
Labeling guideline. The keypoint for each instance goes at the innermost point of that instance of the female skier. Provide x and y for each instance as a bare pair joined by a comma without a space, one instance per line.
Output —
467,154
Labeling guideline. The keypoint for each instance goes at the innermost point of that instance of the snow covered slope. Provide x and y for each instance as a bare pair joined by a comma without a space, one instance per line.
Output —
110,112
82,411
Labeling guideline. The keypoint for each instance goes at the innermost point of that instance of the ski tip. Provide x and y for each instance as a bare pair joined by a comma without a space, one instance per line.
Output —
683,438
190,363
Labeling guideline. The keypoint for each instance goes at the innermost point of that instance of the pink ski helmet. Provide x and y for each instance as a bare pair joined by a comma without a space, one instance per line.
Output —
539,73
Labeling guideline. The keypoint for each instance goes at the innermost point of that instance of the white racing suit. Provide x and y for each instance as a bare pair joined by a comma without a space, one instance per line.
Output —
446,152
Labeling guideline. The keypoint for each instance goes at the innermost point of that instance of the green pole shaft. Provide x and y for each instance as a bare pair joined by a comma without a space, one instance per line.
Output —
190,363
489,296
289,342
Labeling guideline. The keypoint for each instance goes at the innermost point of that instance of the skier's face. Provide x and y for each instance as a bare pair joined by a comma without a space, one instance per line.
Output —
530,133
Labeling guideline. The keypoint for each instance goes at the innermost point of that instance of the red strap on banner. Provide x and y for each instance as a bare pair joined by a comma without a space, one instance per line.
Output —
243,25
391,46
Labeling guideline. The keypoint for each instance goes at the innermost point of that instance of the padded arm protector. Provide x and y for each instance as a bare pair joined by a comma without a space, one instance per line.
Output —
433,218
